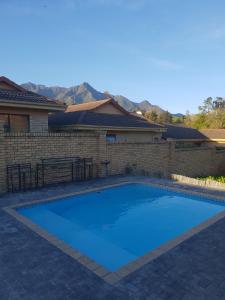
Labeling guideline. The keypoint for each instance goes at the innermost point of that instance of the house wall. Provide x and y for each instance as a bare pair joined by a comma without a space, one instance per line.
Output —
108,108
155,159
38,118
134,137
6,86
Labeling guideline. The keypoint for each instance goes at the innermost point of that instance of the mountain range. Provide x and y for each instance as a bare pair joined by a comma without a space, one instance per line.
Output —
85,93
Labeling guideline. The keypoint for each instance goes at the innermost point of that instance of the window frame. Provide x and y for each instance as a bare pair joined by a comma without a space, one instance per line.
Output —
8,130
113,135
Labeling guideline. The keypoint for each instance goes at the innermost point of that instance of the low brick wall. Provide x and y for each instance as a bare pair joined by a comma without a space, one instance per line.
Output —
153,159
195,162
202,183
32,147
139,158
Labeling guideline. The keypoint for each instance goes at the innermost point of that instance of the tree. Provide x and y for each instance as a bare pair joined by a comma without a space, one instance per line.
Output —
151,116
211,115
207,106
178,120
219,103
165,117
159,117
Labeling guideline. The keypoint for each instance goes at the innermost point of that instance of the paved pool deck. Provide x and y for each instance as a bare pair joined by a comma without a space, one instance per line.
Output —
32,268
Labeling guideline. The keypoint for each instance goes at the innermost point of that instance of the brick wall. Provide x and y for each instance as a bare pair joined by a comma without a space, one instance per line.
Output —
2,160
197,162
140,158
33,147
155,159
162,159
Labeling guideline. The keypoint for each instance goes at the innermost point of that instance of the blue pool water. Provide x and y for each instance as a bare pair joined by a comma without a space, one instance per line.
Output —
117,225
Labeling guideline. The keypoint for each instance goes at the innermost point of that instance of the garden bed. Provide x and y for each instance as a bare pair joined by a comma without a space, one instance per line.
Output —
220,179
217,182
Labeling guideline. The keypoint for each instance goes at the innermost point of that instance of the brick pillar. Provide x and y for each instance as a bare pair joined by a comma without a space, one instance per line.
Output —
2,160
102,152
171,158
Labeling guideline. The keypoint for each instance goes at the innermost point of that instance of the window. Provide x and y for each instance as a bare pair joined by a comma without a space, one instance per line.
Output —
111,138
5,119
15,123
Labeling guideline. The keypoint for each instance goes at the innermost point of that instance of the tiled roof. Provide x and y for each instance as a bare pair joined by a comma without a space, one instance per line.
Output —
92,105
9,82
25,96
99,119
87,106
182,133
18,94
214,133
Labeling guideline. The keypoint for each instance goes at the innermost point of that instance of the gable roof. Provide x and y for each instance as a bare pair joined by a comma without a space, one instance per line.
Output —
183,133
11,83
93,119
20,97
93,105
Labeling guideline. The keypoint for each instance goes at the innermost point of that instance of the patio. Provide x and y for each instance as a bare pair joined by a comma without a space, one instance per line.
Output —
32,268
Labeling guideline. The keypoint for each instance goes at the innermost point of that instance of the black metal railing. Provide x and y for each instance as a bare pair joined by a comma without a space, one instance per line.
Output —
48,171
19,177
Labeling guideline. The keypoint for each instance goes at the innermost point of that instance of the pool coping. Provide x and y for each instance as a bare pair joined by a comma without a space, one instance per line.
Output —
108,276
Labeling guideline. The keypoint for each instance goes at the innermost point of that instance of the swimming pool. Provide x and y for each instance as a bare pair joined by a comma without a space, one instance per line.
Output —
118,225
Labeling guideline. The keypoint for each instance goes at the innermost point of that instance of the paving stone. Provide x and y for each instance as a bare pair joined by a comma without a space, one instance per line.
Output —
32,268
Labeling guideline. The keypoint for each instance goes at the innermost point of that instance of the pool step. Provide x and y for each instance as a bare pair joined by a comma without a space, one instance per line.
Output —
86,242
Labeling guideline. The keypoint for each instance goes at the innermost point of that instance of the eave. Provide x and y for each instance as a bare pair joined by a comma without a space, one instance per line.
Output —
220,141
187,140
25,104
105,128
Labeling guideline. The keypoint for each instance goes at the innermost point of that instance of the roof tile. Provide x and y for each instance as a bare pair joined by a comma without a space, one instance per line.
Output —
25,96
99,119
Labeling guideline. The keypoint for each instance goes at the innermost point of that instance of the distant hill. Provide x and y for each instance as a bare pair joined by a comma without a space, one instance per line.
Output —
77,94
85,93
178,115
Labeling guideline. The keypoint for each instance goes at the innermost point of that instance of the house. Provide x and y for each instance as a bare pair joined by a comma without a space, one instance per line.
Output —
22,110
186,137
107,106
107,115
217,136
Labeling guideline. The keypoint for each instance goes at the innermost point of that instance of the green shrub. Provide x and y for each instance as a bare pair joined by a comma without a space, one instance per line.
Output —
215,178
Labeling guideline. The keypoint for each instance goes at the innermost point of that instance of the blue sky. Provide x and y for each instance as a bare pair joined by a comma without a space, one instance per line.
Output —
170,52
